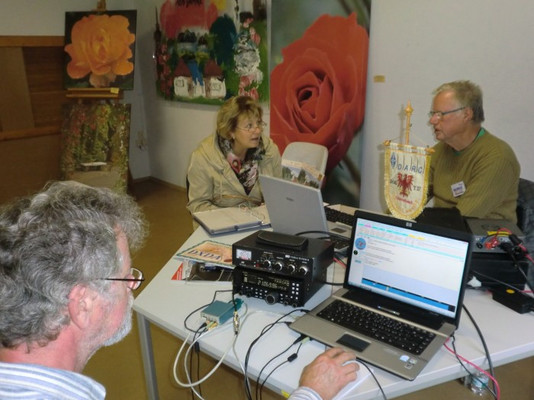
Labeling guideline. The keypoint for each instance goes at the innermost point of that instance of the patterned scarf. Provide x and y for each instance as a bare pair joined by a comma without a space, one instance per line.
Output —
246,171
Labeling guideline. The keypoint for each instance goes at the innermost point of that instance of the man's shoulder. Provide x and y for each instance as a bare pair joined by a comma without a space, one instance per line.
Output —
52,383
493,143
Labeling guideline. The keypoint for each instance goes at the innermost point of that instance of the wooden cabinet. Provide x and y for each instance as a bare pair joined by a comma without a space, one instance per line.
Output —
31,99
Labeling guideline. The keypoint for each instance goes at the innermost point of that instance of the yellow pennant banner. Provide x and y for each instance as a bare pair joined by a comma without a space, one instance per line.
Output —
406,179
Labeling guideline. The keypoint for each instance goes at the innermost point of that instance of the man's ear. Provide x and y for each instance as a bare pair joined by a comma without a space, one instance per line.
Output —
81,305
468,116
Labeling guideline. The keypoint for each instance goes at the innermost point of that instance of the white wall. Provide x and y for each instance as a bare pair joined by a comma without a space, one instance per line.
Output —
415,44
419,44
174,129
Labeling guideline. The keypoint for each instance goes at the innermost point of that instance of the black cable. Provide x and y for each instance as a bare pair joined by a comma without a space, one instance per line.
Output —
258,392
196,348
290,359
266,329
478,274
515,251
488,356
469,373
374,377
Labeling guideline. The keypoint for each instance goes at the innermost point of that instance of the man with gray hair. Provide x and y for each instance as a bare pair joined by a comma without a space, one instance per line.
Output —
66,285
471,169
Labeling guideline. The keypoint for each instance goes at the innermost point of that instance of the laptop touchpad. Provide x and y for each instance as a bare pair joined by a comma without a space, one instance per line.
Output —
353,343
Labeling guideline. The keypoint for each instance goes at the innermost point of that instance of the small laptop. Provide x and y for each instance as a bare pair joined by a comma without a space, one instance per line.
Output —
411,274
295,208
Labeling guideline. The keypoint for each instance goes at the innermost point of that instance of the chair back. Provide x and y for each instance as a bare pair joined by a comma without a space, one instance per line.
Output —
305,163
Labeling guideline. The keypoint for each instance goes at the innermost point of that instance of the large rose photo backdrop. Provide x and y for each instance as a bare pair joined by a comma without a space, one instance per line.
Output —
318,83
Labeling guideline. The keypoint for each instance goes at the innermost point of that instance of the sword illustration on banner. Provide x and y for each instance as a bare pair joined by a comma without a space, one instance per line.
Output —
406,174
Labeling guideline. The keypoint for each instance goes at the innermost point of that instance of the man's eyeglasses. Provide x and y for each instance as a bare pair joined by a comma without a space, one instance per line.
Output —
441,114
252,127
134,279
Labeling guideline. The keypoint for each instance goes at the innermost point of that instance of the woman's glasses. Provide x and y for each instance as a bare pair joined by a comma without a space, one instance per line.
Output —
250,127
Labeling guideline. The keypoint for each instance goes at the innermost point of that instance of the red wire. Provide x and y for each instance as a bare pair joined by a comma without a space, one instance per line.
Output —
497,387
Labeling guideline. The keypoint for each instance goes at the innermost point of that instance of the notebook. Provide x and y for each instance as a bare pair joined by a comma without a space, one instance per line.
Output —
295,209
232,219
407,272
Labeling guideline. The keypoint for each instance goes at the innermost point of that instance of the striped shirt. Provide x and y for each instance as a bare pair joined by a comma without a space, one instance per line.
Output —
304,393
36,382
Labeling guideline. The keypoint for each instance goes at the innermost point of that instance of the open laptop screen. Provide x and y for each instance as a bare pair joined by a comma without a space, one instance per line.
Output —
403,262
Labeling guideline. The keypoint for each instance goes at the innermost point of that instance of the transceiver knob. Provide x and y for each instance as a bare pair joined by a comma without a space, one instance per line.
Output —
303,270
272,297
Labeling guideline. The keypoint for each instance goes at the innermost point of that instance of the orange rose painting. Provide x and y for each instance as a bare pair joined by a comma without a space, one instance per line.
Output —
100,49
318,84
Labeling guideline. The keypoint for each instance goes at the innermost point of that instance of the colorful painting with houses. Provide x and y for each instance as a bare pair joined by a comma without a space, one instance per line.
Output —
207,51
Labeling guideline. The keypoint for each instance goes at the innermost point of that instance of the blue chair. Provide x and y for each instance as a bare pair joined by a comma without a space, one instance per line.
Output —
525,211
525,219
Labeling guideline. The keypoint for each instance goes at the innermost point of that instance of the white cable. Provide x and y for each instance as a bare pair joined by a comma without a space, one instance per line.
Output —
243,320
191,384
187,374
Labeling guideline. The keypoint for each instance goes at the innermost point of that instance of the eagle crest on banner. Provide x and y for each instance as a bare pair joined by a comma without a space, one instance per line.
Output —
406,175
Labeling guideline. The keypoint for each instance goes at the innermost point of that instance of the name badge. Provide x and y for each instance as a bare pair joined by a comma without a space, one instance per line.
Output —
458,189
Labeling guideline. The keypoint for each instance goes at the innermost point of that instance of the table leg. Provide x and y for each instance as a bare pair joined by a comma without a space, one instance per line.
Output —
147,354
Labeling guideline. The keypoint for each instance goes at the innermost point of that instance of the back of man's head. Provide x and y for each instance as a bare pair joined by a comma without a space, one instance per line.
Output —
64,236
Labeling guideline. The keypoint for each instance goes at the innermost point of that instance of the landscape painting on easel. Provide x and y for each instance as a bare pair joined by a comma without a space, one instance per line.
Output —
100,49
95,140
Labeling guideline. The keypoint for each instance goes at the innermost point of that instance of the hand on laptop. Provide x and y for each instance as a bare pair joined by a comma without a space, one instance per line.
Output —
330,372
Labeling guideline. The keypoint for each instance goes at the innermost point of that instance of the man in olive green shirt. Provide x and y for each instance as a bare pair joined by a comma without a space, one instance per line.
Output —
470,169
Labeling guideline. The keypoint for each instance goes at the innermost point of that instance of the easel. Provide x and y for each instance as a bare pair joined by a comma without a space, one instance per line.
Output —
96,130
95,94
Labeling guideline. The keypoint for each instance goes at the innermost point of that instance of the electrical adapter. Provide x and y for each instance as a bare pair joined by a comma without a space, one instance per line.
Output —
513,299
220,312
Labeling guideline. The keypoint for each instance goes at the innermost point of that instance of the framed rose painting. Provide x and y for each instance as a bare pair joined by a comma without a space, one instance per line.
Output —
100,49
319,53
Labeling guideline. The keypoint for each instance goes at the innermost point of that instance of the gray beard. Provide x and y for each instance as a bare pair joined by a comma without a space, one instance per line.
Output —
125,327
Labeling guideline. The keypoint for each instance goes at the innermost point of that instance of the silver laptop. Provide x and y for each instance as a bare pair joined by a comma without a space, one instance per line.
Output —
411,274
295,208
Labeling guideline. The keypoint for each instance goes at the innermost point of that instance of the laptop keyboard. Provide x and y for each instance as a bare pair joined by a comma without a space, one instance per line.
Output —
333,215
378,326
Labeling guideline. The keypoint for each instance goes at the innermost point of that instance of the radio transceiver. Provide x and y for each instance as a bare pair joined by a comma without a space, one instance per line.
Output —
280,268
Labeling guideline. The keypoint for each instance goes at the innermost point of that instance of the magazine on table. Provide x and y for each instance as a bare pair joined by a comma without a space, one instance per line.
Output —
206,261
